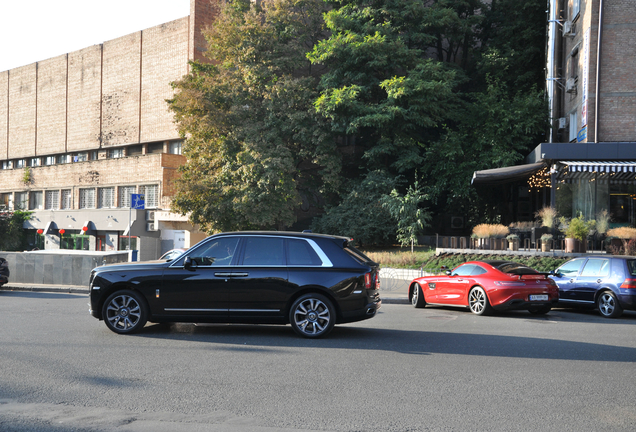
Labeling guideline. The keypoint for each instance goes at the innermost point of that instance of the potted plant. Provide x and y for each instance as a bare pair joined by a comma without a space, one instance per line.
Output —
576,235
513,242
546,242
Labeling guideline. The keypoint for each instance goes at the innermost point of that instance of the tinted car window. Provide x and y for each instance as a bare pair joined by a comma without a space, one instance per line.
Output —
478,271
218,252
357,255
266,251
300,252
464,270
631,267
596,267
571,268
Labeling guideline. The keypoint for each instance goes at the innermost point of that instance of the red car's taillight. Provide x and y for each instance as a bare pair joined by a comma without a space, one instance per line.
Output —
629,284
509,283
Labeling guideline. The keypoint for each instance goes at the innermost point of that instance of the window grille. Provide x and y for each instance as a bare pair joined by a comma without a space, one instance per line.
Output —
67,199
52,201
35,200
107,197
21,200
124,195
87,198
151,193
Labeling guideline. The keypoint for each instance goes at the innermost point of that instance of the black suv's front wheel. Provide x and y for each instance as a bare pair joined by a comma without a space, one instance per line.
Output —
312,315
125,312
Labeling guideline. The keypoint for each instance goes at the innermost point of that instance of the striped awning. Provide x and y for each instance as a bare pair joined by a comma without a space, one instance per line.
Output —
601,170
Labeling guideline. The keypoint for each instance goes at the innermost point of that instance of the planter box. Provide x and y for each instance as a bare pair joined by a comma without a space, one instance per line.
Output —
573,245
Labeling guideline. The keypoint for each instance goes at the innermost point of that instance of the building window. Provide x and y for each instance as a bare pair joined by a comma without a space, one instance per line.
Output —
80,157
155,148
6,203
50,160
134,150
574,124
175,148
52,200
124,195
106,197
67,199
21,200
87,198
115,153
7,164
36,200
94,155
20,163
151,195
35,162
576,8
62,159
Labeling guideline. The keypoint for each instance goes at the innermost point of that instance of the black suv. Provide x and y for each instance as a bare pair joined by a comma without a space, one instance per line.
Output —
312,281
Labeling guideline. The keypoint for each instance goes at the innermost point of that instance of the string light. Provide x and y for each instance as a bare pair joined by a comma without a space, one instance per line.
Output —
539,179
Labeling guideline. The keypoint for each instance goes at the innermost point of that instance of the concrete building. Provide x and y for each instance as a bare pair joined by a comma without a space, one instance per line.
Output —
81,132
589,163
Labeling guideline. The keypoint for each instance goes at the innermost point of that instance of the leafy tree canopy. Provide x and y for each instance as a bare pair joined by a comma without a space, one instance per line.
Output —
255,145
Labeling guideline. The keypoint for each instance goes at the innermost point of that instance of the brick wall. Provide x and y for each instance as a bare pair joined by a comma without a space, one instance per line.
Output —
4,112
22,108
84,95
51,106
202,14
164,60
617,99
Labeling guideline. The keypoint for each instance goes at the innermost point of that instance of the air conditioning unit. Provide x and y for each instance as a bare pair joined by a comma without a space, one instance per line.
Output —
570,85
150,215
568,29
457,222
151,226
563,122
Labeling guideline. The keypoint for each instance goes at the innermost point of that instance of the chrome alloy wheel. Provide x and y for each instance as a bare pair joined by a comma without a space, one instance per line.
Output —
415,296
312,316
477,300
123,312
608,305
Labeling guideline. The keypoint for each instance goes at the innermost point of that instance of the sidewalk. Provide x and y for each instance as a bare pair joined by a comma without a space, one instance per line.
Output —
394,286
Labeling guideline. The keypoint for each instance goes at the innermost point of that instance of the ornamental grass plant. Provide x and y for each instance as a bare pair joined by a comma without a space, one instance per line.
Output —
490,231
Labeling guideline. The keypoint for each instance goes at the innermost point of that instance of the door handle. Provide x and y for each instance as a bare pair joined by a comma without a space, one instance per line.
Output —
218,274
599,280
571,280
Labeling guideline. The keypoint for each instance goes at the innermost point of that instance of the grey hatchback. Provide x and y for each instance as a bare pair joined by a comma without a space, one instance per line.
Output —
607,283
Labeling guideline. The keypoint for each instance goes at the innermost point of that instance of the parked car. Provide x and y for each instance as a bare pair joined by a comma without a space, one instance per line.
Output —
311,281
172,254
607,283
484,286
4,271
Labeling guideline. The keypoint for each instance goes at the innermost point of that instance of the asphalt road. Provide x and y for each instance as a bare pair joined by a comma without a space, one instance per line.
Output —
434,369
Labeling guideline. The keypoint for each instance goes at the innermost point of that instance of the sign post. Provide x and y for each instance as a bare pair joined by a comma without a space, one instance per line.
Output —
137,202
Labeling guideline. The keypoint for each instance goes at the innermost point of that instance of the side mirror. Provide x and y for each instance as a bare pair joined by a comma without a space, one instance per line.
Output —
188,263
448,272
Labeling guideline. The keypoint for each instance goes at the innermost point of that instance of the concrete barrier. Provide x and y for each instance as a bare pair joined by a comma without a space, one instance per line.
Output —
61,267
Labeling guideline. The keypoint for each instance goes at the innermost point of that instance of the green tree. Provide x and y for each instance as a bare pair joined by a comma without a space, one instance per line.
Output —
255,145
360,214
407,211
12,233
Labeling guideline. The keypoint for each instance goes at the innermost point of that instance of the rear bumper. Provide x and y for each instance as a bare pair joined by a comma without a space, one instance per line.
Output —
522,304
369,311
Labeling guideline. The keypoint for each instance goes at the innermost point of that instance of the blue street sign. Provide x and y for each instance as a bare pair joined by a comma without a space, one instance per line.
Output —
137,201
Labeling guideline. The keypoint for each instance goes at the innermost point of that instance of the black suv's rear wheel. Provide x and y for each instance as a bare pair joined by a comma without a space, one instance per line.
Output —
125,312
312,315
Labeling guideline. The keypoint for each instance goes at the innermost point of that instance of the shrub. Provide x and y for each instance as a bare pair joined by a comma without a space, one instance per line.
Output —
491,230
579,228
622,233
547,215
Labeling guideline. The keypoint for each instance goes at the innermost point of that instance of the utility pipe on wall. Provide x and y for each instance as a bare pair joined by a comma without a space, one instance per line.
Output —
598,69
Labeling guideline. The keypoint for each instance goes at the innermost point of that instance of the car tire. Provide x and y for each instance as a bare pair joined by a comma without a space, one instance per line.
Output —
478,301
417,297
125,312
312,315
608,305
541,310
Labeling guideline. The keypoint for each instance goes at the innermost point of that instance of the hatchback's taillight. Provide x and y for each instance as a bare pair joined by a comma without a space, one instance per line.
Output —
629,283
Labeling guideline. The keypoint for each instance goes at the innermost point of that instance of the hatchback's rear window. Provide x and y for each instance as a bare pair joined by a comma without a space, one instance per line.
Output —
357,255
631,266
515,268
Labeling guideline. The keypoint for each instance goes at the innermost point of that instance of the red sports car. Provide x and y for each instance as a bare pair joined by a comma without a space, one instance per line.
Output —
486,285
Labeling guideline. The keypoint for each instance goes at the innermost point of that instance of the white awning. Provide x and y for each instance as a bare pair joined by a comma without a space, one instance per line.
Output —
612,171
